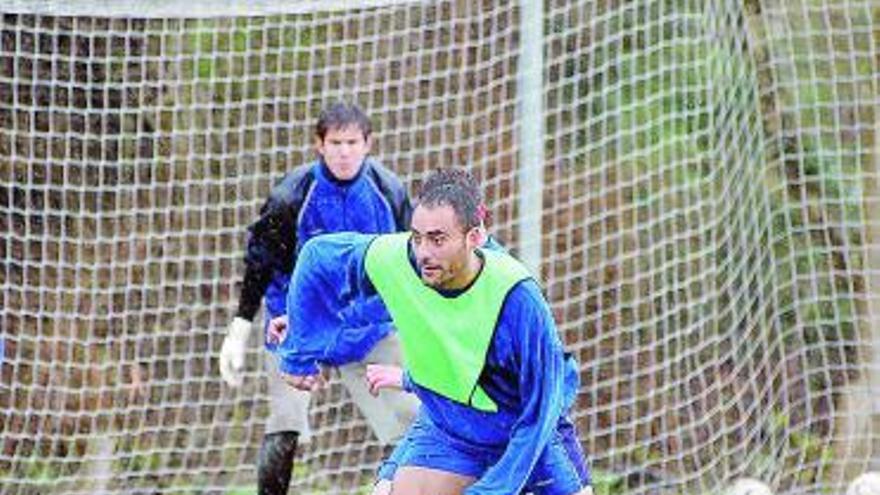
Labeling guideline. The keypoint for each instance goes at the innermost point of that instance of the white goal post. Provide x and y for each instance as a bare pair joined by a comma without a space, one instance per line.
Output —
697,183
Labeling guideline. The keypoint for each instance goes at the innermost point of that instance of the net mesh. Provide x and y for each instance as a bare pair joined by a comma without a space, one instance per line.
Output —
710,232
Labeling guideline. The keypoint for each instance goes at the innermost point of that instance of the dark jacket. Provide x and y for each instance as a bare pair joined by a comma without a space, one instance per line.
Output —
308,202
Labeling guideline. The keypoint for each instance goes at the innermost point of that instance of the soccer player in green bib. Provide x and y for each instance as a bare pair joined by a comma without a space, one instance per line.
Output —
480,349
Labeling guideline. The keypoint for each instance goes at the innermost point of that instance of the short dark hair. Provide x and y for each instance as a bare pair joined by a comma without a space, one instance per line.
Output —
340,115
457,188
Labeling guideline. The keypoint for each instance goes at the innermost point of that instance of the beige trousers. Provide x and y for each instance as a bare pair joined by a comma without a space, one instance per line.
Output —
389,414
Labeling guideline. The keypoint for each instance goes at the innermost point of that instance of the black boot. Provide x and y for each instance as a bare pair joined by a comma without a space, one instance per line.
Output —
275,464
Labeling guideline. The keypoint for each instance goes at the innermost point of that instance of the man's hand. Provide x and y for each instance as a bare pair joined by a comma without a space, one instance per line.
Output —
381,376
308,383
277,330
233,351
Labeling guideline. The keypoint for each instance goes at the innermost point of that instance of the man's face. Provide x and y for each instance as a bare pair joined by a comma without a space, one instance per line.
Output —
442,247
344,150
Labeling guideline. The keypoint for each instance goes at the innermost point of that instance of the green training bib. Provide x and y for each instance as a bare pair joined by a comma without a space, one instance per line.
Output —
445,339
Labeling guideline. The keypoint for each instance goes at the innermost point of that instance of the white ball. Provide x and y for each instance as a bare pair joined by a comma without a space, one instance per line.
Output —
749,486
866,484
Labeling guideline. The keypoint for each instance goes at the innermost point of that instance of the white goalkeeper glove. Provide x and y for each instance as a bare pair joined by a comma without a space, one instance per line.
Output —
233,351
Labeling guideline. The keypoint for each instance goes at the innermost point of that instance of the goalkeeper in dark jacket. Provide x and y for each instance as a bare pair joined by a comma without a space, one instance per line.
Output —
343,190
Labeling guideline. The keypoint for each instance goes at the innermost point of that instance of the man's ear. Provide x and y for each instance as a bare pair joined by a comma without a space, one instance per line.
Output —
477,236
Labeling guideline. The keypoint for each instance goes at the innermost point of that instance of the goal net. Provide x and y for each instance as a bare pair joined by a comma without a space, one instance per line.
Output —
696,181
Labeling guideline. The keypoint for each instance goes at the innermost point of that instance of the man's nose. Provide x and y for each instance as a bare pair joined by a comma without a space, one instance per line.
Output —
423,253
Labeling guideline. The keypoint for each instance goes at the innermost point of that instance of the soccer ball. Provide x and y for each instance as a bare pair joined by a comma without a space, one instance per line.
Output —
748,486
866,484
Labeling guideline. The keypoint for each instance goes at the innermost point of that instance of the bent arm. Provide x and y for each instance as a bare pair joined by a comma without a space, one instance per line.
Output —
271,240
331,319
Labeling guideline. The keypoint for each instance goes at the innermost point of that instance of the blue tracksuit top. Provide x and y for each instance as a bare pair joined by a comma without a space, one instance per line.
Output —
308,202
526,373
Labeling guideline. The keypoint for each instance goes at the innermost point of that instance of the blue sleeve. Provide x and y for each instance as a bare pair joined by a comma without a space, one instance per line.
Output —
408,384
363,323
332,320
538,358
